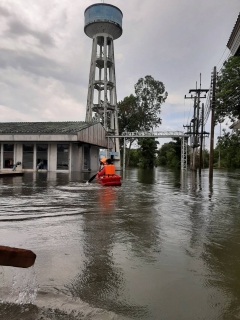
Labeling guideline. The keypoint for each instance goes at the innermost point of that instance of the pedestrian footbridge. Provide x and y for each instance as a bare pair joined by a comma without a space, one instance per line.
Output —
157,134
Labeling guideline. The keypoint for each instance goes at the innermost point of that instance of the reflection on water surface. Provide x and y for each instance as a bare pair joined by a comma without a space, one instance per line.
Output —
161,246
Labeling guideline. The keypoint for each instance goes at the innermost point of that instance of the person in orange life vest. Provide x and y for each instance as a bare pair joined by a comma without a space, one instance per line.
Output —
101,170
105,169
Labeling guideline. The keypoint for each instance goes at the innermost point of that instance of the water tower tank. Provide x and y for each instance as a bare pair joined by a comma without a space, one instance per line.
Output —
103,18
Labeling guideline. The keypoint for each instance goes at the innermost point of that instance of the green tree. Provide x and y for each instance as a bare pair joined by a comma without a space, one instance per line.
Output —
128,121
127,117
147,152
170,154
229,146
140,112
150,94
228,91
134,157
205,158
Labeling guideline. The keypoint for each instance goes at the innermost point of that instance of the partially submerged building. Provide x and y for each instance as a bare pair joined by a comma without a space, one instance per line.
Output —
52,146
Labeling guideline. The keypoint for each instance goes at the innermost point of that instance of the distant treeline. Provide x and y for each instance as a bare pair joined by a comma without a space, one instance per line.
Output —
147,155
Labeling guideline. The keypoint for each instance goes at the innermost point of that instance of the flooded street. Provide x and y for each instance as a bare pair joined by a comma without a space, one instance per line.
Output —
158,247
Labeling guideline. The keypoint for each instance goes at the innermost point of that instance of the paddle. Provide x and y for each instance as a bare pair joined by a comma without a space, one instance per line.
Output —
91,179
15,257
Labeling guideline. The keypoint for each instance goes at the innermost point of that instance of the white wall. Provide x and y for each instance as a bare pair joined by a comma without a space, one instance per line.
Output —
75,158
52,156
94,158
18,155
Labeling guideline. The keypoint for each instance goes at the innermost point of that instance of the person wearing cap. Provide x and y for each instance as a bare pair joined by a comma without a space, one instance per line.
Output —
105,162
101,170
102,163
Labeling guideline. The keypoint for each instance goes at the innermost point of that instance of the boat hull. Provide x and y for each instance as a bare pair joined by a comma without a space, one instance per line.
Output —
113,180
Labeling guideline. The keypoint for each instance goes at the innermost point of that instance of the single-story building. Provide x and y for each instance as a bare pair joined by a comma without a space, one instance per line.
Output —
52,146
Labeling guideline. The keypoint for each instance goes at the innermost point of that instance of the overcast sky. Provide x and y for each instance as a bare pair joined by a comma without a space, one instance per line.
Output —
45,54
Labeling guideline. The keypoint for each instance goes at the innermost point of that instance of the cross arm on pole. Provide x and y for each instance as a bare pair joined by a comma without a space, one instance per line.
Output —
198,90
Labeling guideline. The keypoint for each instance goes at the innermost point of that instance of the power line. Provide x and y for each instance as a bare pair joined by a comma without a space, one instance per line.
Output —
228,56
230,95
222,56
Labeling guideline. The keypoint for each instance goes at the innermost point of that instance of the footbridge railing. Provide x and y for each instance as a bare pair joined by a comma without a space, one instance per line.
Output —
156,134
152,134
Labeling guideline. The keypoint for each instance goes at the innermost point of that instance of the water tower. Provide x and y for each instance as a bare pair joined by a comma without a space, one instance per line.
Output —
103,24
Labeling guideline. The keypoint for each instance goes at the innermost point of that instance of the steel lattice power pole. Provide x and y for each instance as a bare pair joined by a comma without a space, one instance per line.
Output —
212,123
189,132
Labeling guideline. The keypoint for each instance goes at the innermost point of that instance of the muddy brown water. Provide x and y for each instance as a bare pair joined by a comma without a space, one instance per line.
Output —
161,246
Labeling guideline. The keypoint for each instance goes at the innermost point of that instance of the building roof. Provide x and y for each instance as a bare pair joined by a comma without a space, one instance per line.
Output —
235,125
234,40
63,127
70,131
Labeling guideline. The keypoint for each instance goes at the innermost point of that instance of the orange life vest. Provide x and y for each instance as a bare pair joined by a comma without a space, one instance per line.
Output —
109,169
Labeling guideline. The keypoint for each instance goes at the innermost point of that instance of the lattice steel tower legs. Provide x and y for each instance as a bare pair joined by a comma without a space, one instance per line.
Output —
103,23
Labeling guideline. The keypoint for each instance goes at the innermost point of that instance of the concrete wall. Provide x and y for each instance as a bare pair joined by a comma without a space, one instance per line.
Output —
94,158
52,156
76,157
18,154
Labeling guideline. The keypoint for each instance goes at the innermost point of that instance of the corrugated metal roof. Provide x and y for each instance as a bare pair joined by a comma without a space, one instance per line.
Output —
64,127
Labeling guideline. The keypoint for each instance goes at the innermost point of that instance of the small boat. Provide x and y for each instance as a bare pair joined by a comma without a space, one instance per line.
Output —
109,180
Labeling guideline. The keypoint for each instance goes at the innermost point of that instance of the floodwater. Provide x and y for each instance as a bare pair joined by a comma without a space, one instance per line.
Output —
161,246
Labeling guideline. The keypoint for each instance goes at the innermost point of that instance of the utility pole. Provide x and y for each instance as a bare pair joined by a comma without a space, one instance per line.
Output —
214,77
201,142
195,120
192,134
197,108
219,154
195,137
